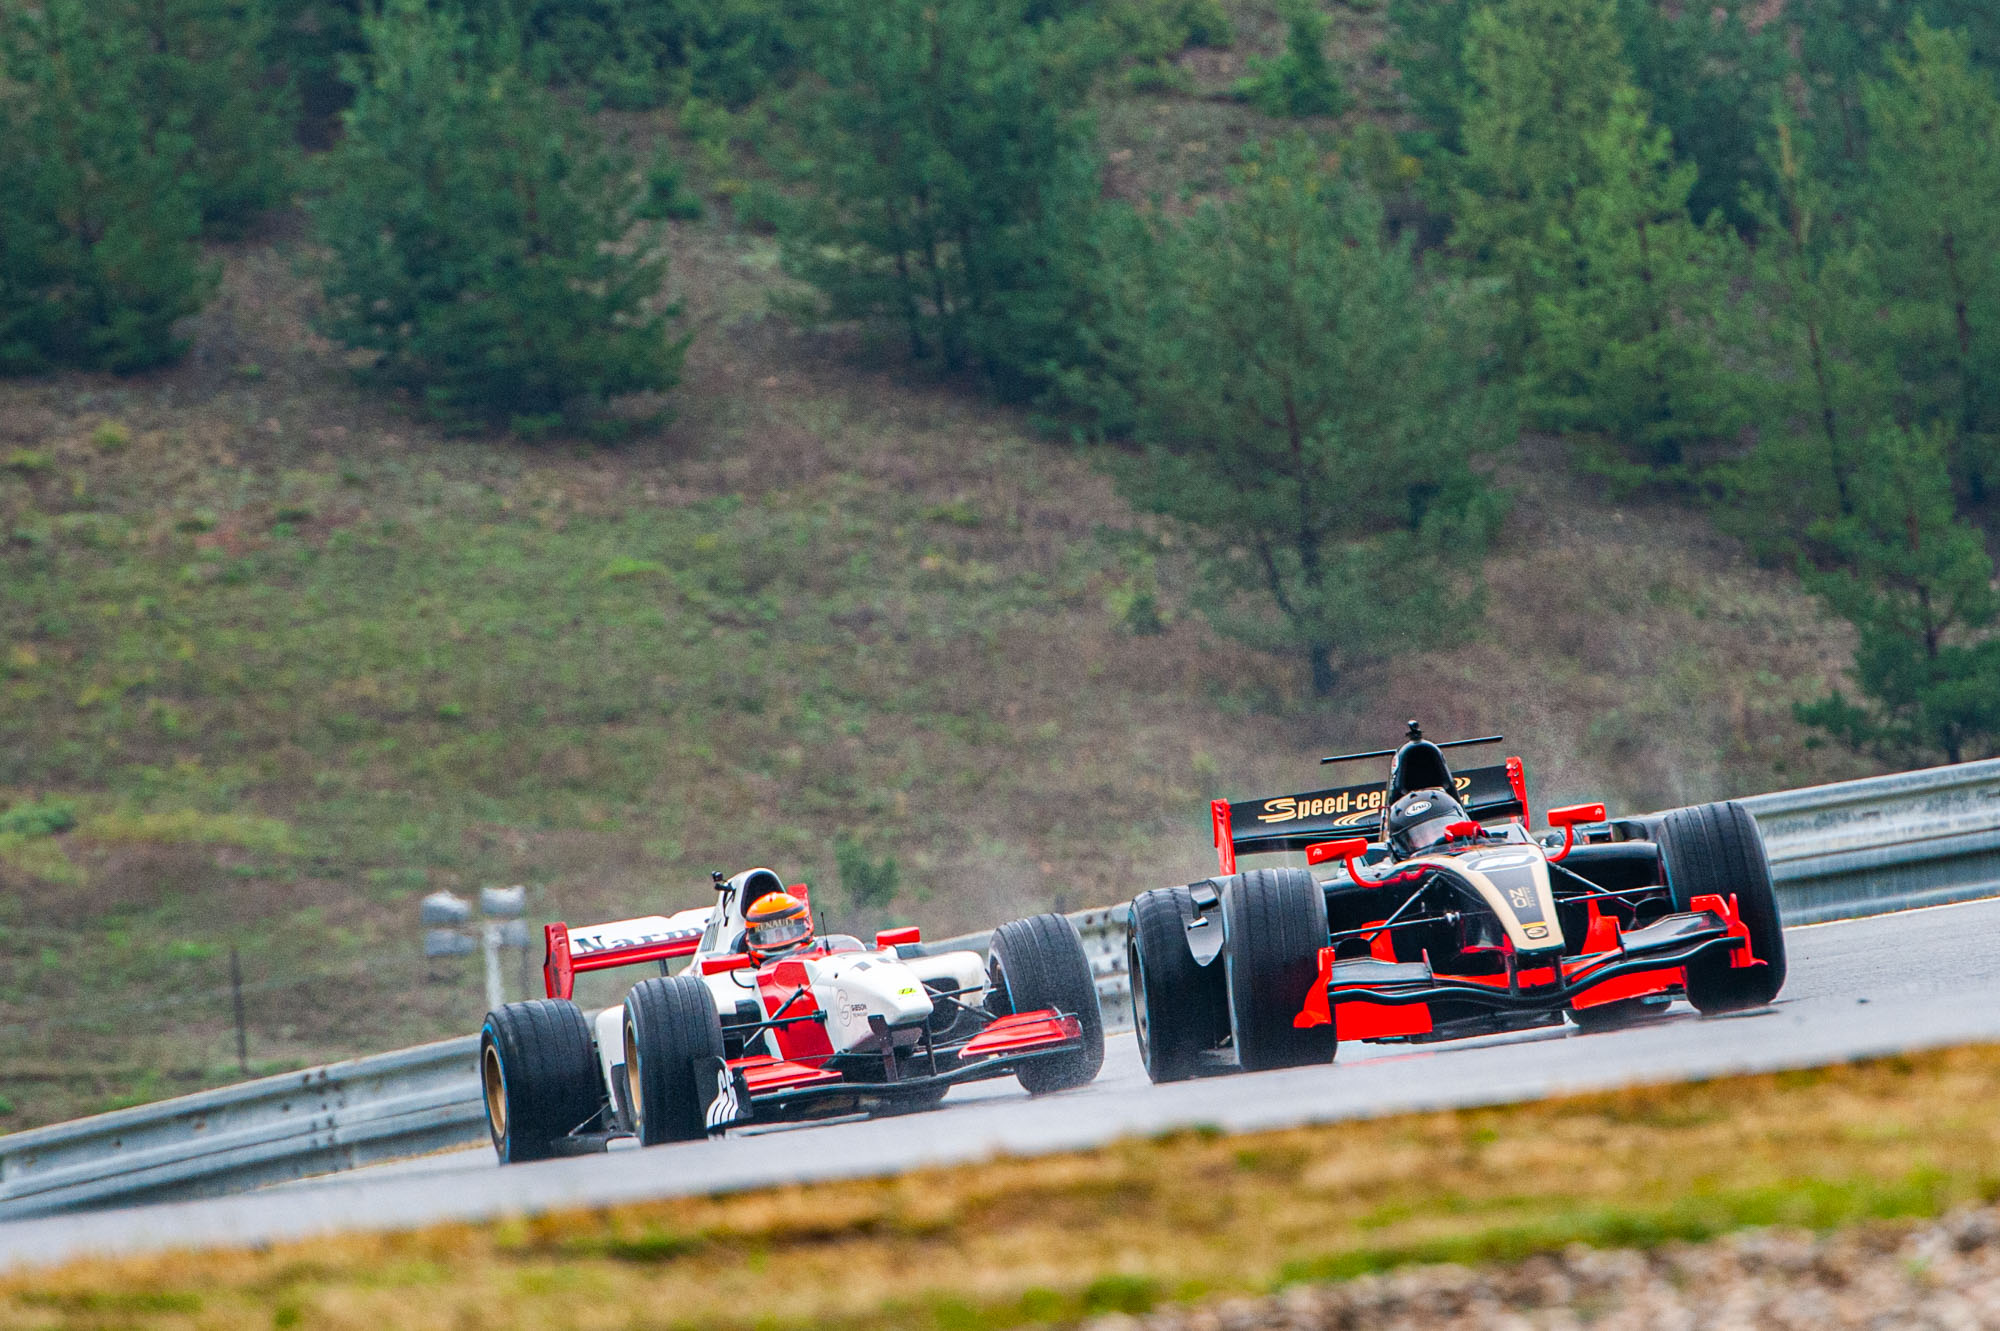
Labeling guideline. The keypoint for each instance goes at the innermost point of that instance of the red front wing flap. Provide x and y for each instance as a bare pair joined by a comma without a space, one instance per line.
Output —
1023,1031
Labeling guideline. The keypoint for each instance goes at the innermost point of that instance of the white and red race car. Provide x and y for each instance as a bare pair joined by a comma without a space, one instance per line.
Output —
832,1028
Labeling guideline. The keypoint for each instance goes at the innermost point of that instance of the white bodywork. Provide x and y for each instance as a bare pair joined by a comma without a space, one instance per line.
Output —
849,986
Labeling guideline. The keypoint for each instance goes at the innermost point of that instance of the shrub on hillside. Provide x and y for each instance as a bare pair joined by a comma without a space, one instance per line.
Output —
98,253
499,261
1298,82
653,52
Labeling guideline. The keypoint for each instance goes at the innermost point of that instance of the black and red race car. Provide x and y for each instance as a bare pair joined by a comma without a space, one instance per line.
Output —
1447,918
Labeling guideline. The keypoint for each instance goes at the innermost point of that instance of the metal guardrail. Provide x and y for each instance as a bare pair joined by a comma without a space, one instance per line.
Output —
1886,843
272,1130
1856,848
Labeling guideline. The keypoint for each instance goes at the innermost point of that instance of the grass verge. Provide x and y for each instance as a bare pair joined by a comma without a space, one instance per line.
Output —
1049,1240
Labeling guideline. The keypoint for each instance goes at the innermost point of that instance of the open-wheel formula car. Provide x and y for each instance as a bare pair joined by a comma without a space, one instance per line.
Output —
772,1022
1446,919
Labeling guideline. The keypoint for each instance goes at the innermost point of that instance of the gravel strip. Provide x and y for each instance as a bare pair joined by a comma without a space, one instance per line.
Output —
1941,1276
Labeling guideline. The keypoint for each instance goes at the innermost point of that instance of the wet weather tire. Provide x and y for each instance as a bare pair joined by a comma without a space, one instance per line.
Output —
538,1073
1040,963
1274,924
1715,849
673,1041
1180,1008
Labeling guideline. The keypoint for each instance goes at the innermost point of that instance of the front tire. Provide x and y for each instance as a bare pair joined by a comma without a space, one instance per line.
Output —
1040,963
1716,849
538,1074
1180,1008
673,1048
1274,924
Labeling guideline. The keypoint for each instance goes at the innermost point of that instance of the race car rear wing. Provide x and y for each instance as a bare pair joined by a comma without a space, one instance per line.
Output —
1293,822
599,947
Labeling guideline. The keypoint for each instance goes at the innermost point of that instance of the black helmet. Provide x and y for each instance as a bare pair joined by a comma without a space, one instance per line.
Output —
1417,822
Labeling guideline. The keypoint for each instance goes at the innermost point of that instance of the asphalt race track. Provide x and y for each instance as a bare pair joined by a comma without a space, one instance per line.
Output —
1866,987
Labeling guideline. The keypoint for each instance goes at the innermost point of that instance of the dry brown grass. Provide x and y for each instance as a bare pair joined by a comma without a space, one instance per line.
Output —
1024,1241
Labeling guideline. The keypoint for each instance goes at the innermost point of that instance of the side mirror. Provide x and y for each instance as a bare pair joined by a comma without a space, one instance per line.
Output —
1348,848
1567,818
897,937
736,961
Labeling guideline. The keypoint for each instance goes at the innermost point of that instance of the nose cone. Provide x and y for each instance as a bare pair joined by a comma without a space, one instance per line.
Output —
892,992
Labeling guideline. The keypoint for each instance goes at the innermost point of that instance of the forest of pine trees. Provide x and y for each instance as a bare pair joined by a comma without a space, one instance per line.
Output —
1741,255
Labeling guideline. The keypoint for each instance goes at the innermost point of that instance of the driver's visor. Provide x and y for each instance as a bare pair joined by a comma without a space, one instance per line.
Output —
779,933
1431,831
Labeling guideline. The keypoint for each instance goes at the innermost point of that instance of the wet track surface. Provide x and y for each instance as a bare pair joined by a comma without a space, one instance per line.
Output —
1857,988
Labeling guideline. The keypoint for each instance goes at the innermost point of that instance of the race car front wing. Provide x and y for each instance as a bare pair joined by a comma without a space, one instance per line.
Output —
1367,998
761,1088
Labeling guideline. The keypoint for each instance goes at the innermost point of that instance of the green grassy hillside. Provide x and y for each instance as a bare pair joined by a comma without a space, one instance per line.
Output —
275,661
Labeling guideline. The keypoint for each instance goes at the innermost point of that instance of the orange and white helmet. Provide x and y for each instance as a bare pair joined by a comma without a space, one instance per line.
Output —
776,922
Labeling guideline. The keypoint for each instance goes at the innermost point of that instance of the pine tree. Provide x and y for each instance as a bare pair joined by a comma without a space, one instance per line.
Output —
1310,406
1299,82
307,44
98,252
204,84
1917,584
484,244
1932,201
1543,75
1427,46
1810,370
1630,291
1710,73
952,182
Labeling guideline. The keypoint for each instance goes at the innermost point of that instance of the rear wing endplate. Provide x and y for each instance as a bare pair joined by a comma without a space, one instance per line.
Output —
600,947
1293,822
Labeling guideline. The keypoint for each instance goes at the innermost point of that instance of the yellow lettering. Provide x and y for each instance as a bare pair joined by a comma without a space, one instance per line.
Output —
1279,811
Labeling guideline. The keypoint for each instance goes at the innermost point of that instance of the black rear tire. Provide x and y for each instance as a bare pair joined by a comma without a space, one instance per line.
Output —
538,1072
1274,924
1716,849
673,1041
1040,963
1180,1008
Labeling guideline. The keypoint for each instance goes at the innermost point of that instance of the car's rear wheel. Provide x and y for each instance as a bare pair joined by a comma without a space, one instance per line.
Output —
538,1076
1180,1008
1040,963
1715,849
673,1051
1274,924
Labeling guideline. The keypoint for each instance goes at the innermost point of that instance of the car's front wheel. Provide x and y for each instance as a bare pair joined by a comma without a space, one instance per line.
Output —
1274,924
1040,963
673,1056
1715,850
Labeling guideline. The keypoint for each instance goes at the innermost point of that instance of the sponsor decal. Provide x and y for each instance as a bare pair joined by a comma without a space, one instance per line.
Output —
726,1107
1356,802
1418,807
906,990
1536,930
584,945
1506,859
